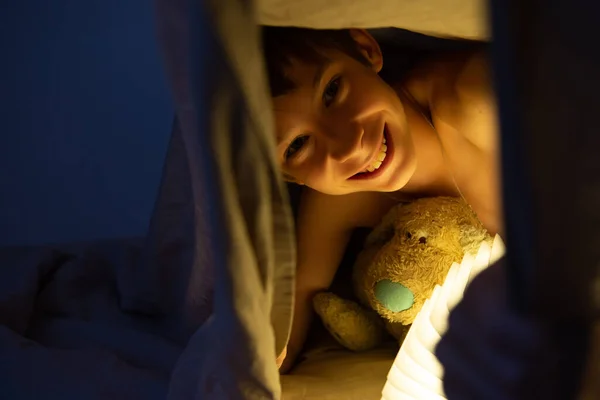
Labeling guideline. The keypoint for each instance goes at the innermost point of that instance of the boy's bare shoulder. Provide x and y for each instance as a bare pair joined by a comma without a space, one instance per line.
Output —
463,96
362,209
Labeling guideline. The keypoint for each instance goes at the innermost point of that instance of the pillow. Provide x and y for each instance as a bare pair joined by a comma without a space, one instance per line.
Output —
446,18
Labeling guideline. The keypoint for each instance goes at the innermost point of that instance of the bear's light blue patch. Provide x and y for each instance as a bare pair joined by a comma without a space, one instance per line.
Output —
394,296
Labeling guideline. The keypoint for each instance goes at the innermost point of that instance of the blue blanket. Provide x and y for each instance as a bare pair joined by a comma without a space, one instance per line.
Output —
196,309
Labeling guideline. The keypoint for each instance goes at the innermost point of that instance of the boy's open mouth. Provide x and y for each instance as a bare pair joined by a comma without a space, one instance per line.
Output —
380,161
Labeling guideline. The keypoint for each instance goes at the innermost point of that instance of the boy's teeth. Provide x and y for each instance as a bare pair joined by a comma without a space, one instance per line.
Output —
379,159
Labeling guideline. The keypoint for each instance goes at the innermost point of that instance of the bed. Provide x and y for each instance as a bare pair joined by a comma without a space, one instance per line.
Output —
200,306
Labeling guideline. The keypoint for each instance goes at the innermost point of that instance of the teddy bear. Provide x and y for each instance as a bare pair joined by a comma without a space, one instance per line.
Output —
404,258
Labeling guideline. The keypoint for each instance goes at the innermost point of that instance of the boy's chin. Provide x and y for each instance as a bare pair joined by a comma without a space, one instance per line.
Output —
397,181
383,187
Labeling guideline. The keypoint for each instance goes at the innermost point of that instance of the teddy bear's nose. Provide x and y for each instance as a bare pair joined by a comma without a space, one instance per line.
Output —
394,296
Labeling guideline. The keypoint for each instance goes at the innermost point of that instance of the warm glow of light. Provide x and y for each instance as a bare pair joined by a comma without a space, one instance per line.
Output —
416,372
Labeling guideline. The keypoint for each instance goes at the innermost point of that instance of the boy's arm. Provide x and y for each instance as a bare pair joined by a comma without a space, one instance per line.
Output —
325,224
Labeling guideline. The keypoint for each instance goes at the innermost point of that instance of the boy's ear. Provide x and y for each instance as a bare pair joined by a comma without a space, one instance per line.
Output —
369,48
290,179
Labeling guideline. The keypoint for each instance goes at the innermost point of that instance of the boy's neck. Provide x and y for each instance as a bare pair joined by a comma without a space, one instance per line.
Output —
432,176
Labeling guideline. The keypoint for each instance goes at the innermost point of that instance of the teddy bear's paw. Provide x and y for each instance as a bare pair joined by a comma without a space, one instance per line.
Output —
353,326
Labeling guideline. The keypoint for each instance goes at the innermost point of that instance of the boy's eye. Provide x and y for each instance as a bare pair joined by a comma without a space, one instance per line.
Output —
331,91
295,146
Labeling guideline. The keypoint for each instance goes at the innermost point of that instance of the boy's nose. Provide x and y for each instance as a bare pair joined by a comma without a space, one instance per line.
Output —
343,145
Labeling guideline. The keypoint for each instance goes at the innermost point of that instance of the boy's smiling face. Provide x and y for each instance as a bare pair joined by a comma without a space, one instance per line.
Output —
343,129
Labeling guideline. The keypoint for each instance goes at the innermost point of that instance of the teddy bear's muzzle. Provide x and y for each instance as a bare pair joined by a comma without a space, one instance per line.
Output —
394,296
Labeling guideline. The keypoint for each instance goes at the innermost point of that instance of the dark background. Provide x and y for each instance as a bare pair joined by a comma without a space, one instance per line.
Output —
85,117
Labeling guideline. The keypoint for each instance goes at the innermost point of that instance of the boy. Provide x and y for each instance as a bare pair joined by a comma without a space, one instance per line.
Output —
360,145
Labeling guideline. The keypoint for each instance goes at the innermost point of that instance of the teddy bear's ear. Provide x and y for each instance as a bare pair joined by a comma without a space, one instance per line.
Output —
385,230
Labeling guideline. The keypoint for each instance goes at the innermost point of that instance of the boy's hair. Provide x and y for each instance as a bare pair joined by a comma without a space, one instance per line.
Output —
282,45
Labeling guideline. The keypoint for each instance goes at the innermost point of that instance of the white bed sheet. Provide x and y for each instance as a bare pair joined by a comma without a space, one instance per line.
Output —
449,18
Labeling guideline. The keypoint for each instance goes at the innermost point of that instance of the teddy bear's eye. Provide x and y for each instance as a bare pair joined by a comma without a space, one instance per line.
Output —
408,235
